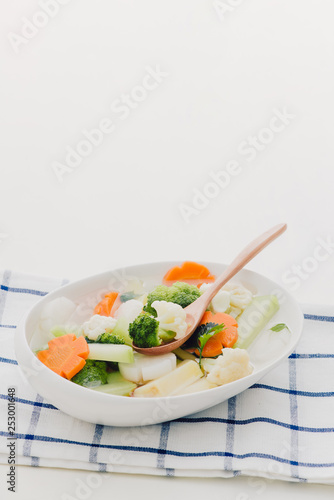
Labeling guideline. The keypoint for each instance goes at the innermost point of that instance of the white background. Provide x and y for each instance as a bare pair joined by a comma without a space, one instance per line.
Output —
226,76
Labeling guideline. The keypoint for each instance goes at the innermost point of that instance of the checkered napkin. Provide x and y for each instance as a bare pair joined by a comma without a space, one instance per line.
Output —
281,428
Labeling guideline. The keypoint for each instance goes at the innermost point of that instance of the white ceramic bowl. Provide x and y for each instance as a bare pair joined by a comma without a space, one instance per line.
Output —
106,409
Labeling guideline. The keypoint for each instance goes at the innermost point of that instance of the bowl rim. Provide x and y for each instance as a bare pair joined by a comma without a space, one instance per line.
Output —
23,350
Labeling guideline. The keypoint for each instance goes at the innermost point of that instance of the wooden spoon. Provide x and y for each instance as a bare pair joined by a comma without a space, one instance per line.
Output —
196,310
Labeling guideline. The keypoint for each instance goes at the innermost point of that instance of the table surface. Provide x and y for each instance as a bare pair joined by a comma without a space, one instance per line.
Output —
222,126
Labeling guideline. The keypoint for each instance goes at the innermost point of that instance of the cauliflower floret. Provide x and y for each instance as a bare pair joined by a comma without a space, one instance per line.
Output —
231,365
129,310
220,302
240,296
97,325
171,317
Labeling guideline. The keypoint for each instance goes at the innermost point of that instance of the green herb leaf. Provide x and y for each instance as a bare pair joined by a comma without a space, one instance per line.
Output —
202,339
279,327
218,328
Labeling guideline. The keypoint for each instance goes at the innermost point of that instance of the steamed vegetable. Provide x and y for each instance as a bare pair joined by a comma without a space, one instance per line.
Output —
104,307
93,374
217,330
240,296
254,319
129,310
117,385
220,302
111,352
208,364
122,330
145,331
97,325
107,338
279,327
179,293
171,317
209,336
182,354
186,373
200,385
146,368
188,271
227,335
232,365
66,355
116,305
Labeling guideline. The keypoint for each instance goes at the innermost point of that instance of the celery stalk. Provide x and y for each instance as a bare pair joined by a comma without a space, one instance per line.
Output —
116,385
120,353
254,319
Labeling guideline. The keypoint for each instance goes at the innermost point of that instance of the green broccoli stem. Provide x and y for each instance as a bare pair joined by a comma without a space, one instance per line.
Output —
166,335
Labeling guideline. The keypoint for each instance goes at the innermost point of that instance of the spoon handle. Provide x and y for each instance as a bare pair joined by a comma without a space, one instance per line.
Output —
246,255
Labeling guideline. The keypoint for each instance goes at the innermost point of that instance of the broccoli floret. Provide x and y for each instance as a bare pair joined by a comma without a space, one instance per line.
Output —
109,338
144,331
160,292
106,338
93,374
179,293
183,293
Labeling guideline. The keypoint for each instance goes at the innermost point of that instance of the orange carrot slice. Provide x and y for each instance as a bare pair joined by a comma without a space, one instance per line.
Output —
212,348
43,355
188,272
225,338
57,358
104,307
61,341
116,305
66,355
229,336
72,366
80,347
219,318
